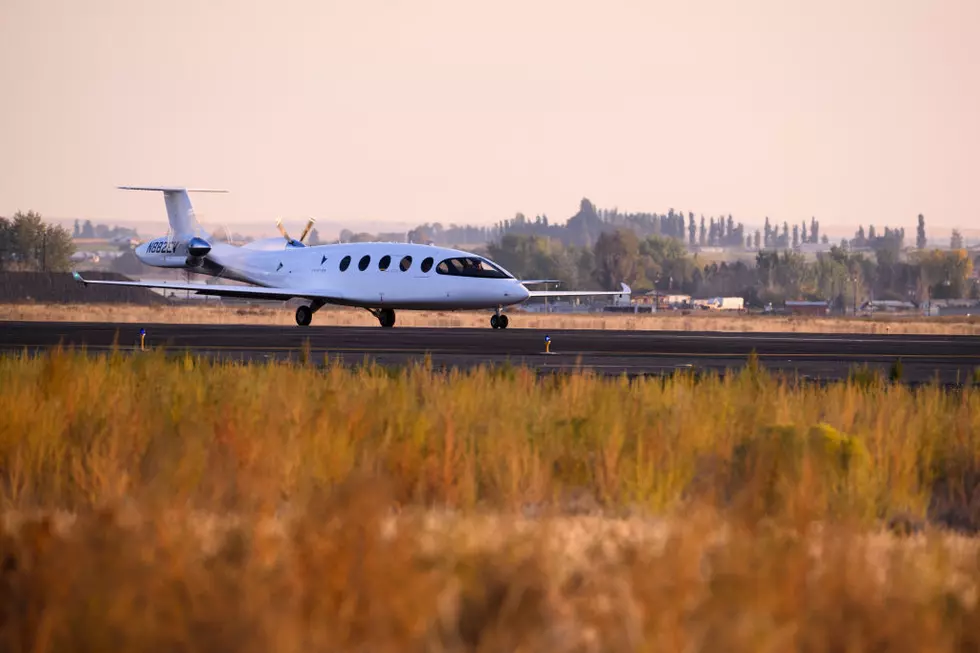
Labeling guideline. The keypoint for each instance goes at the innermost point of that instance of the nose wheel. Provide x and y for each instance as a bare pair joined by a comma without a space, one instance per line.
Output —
498,321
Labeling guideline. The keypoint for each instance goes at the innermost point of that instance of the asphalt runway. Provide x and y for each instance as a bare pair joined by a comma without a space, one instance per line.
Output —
948,359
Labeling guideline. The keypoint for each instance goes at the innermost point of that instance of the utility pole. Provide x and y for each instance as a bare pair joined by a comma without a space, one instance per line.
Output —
855,280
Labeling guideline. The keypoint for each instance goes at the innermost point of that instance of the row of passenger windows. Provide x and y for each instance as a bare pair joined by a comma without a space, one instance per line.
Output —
466,266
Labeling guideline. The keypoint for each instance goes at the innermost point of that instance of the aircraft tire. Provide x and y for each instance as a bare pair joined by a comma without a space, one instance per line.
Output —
386,317
304,315
494,322
502,322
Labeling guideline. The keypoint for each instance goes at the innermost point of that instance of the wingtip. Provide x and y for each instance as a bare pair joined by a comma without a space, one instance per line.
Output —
77,277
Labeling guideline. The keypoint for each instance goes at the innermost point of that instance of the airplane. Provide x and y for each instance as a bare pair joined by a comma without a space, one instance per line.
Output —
379,277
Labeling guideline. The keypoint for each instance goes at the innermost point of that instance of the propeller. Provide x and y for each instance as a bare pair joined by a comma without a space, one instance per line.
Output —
302,237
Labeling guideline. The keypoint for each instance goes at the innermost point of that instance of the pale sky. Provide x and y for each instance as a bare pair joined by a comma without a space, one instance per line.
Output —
467,112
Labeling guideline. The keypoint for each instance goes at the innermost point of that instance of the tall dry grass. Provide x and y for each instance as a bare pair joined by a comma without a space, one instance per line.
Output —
181,504
80,430
338,316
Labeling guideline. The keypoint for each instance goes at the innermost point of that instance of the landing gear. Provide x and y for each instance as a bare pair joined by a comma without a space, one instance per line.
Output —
498,321
386,316
304,315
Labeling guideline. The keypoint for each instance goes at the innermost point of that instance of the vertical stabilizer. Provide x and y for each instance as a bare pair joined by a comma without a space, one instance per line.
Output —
180,212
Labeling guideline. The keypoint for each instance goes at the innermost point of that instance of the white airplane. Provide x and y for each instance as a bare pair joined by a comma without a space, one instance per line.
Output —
379,277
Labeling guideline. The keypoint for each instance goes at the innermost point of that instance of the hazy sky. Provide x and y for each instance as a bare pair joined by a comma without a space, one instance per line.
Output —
467,112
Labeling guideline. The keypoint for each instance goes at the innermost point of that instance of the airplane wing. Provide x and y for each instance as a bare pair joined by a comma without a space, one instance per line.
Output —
537,281
219,290
579,293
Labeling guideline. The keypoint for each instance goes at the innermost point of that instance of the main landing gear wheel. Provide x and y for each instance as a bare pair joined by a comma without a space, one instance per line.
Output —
498,321
304,315
386,317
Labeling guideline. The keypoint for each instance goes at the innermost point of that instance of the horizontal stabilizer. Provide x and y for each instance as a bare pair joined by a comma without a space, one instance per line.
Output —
173,189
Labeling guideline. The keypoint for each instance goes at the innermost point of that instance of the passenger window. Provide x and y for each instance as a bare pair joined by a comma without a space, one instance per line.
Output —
427,264
364,262
344,264
405,264
384,262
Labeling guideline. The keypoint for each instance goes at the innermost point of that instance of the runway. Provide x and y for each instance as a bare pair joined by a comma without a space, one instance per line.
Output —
949,359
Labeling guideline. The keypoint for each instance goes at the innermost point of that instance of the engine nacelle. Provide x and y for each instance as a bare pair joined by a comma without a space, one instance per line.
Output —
197,249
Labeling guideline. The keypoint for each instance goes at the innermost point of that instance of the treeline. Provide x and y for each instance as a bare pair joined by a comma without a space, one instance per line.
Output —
28,244
841,276
583,229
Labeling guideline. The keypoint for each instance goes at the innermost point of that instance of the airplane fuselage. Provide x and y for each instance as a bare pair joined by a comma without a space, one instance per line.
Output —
370,275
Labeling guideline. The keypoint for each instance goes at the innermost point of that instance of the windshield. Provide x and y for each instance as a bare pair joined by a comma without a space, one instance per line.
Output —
470,266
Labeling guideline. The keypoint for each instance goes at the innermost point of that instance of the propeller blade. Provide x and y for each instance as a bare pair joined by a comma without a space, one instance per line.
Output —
282,230
309,225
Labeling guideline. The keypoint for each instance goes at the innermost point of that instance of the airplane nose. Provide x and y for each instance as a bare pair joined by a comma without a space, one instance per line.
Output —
522,292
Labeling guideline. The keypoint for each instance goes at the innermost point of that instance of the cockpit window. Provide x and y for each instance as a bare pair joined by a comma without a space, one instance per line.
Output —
470,266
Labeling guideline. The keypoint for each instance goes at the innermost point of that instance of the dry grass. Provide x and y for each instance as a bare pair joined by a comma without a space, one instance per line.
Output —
357,317
195,505
347,576
80,430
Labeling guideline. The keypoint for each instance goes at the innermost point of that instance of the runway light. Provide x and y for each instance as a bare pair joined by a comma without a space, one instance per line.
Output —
142,339
547,344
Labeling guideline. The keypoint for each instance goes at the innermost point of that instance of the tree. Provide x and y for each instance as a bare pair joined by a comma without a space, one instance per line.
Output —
314,238
88,231
956,240
616,258
27,243
77,231
859,238
814,230
804,238
758,238
703,233
920,233
796,236
692,230
871,233
768,234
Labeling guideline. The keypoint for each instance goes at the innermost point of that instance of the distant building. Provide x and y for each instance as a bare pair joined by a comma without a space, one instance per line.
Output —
662,300
808,308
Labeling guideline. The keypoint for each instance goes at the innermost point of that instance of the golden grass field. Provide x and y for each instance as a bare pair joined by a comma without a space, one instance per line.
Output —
704,321
173,503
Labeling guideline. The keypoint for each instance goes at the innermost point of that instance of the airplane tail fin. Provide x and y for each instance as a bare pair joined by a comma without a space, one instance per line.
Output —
180,212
